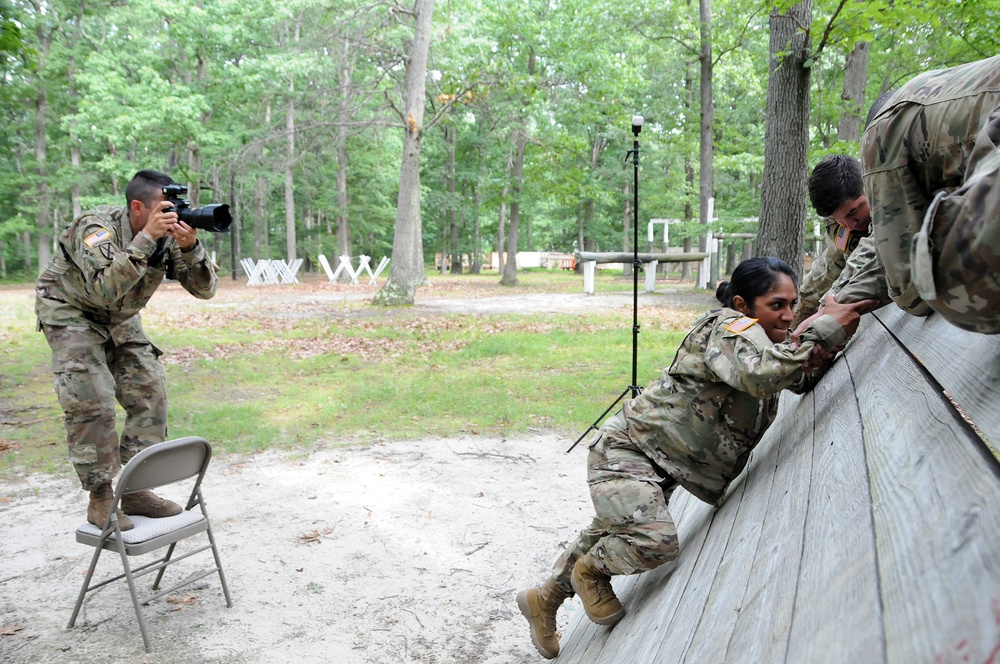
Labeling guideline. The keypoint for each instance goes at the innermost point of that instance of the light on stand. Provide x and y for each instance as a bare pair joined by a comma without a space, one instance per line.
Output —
634,389
637,122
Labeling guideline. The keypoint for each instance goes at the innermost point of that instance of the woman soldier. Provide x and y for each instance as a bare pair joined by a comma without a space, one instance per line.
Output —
694,427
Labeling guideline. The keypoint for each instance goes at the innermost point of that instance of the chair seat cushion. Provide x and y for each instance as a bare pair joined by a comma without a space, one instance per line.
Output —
147,528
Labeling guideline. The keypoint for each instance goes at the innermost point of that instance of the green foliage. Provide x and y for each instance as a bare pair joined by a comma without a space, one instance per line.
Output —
248,380
203,91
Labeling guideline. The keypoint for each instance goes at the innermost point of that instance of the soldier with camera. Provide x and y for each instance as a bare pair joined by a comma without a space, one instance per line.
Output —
109,262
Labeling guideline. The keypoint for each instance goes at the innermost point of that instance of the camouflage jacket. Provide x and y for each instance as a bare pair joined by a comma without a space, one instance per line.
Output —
102,275
702,417
921,142
827,266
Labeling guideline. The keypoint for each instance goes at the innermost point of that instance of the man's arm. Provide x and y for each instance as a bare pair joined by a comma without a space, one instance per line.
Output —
825,269
193,268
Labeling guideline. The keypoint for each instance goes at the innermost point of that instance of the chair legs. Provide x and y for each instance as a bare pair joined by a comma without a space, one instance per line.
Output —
86,586
160,564
135,599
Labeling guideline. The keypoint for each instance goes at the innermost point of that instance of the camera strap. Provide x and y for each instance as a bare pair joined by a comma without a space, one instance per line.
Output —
157,256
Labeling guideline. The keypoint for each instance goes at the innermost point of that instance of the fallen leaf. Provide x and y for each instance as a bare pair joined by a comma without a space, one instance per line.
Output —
314,536
7,630
181,601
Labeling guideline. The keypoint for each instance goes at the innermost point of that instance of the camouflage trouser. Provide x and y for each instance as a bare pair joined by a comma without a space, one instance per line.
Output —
955,259
632,530
90,372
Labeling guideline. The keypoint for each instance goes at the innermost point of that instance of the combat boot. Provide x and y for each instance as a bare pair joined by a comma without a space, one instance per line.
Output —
147,503
100,504
539,606
594,589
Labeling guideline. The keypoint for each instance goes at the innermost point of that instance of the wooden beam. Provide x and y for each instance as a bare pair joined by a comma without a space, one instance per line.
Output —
624,257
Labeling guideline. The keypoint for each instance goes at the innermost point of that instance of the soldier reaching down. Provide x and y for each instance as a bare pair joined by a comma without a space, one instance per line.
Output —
109,262
694,427
930,157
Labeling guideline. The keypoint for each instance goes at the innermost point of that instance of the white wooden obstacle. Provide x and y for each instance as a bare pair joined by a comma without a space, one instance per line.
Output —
270,272
364,265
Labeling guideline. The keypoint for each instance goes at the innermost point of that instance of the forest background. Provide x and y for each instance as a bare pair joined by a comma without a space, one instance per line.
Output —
409,129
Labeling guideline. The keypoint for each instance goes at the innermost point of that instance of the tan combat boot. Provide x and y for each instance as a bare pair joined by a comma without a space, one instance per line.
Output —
594,589
100,504
539,606
147,503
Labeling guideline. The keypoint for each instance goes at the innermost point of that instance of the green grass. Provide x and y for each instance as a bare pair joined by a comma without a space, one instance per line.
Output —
440,376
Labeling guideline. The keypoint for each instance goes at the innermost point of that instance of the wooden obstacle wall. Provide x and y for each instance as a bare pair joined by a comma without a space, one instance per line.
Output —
866,527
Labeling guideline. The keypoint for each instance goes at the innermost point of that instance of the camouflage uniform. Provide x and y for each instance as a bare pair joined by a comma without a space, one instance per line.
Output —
695,427
87,301
931,165
827,266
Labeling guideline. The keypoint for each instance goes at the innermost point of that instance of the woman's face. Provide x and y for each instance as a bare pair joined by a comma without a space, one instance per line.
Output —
773,310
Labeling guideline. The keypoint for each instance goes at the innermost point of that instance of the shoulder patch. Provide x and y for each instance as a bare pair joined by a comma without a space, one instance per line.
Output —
842,238
98,236
741,324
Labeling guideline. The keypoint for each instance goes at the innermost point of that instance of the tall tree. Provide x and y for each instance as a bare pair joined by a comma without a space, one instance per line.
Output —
786,143
406,271
853,96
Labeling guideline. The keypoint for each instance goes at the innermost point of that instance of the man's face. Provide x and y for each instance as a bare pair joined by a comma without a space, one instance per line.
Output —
139,212
853,214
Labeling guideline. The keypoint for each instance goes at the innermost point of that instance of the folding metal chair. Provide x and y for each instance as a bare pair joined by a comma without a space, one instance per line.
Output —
155,466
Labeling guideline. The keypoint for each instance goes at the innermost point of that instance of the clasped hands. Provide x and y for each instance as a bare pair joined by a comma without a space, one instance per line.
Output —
848,315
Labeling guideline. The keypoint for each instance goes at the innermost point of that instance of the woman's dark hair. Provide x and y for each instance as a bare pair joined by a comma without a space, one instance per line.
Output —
752,278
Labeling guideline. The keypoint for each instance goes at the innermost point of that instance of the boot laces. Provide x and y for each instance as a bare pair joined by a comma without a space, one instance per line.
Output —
602,589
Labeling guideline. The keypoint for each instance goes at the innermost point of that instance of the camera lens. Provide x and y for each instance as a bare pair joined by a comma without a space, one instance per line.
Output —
213,218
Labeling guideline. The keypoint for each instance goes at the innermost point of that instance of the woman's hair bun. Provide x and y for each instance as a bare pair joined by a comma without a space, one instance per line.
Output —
722,292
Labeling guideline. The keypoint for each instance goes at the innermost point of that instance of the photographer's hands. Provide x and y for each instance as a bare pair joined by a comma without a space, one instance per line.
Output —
162,223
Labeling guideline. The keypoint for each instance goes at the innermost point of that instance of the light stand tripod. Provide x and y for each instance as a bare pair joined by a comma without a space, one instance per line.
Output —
637,121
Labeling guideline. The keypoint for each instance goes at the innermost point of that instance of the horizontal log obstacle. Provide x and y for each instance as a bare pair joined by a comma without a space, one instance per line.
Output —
590,259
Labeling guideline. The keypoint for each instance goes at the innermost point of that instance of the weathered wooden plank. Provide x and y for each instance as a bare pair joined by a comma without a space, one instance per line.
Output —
965,363
837,615
717,621
878,542
647,597
672,633
936,510
765,609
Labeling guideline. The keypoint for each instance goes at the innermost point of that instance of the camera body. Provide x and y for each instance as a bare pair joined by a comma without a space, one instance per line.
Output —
213,218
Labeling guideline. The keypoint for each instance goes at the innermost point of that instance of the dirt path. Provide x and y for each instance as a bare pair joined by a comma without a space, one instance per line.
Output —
399,552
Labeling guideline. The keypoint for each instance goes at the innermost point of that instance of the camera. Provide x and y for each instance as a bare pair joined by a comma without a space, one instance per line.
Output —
213,218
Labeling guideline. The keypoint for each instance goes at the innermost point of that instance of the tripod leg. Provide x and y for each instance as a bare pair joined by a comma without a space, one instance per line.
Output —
593,427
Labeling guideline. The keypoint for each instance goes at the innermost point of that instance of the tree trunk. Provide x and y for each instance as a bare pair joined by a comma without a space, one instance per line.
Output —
407,266
509,277
706,188
44,217
476,264
504,195
259,220
451,137
786,139
343,225
289,180
855,78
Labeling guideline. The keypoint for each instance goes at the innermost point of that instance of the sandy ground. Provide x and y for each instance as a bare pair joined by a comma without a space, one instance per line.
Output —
397,552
